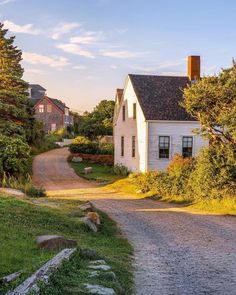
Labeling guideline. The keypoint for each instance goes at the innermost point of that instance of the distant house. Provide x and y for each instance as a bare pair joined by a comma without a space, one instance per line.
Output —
52,112
150,126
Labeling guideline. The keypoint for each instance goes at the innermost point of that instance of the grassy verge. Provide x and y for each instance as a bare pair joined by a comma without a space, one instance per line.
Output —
101,173
222,206
21,221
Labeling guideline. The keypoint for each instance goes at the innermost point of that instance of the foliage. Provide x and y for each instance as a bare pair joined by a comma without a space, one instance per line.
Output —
24,184
214,173
21,221
120,169
16,111
212,101
83,145
96,123
14,156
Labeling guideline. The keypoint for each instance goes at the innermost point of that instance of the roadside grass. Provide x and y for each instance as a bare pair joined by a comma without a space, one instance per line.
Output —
101,173
221,206
22,220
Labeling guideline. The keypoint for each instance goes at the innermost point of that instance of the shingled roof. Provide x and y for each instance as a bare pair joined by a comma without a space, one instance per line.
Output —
160,97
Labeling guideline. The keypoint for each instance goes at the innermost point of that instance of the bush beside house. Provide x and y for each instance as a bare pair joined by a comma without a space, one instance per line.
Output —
92,151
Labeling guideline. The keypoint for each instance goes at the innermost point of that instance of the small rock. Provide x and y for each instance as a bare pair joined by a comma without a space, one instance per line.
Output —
88,254
90,224
13,191
94,217
96,262
100,267
52,242
86,206
11,277
96,289
88,170
77,159
94,274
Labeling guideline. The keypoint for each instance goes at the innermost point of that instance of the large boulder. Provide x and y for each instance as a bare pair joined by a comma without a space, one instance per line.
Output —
77,159
54,242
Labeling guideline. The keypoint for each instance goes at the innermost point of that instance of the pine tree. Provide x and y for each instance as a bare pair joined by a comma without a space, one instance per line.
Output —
16,111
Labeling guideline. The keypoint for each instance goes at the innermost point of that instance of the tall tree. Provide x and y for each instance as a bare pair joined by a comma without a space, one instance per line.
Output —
16,111
212,101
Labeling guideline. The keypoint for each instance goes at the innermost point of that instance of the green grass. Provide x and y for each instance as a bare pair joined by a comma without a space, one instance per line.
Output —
101,173
21,222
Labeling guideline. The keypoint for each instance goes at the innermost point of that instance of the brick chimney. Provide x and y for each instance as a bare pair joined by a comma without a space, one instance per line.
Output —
194,67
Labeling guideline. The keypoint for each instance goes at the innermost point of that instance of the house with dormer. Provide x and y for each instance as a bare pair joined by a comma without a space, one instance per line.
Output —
52,112
150,125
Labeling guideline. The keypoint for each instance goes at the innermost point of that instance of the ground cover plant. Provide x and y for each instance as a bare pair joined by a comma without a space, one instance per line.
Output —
22,220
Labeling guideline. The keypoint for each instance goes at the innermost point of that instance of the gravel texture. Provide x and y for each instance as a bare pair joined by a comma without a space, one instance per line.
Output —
176,252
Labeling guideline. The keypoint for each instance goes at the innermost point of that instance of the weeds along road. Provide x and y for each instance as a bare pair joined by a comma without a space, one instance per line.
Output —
176,251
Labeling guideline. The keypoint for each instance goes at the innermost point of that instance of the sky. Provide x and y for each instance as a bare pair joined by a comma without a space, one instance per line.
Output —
82,50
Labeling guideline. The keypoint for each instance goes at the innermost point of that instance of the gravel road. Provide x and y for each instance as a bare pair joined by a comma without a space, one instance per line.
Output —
177,252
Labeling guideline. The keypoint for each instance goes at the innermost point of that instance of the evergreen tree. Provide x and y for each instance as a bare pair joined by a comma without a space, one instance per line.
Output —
16,111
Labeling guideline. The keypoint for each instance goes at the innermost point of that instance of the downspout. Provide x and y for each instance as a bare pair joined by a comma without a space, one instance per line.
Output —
146,147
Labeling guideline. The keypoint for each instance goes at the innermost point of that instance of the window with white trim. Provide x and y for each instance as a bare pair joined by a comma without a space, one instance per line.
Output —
187,146
134,111
164,147
53,127
41,108
123,113
49,108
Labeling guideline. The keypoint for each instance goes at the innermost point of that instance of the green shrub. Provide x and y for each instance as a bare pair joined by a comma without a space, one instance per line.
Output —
15,156
214,173
106,149
120,169
23,184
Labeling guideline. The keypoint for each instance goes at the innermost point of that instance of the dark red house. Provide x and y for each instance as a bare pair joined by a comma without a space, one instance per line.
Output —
53,113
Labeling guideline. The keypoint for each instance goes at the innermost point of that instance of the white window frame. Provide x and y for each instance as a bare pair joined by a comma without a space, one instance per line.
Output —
170,148
41,108
49,105
181,148
52,129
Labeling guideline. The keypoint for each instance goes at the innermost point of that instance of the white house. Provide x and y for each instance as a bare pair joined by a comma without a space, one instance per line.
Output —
150,126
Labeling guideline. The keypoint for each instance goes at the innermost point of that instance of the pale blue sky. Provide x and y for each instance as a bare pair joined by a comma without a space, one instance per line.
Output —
82,50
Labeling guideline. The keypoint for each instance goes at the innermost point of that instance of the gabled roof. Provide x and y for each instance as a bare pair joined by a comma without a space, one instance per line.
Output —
58,103
160,96
37,87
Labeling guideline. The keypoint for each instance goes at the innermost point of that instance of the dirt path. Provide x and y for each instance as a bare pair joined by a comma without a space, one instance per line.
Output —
176,251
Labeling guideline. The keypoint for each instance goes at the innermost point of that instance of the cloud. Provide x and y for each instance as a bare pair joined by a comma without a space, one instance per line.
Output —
80,67
120,54
87,38
52,61
2,2
64,28
34,71
26,29
75,49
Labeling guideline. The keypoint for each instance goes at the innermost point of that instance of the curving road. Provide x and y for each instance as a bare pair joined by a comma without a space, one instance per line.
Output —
177,252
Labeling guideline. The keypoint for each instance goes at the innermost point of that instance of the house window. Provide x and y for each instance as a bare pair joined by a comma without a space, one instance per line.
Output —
53,127
123,113
66,112
134,111
49,108
122,146
164,147
187,146
133,146
41,108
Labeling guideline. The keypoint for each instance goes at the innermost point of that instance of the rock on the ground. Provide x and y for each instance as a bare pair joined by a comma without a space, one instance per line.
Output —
11,277
86,206
89,224
77,159
52,242
110,276
94,274
13,191
96,262
100,290
88,170
100,267
42,275
94,217
88,253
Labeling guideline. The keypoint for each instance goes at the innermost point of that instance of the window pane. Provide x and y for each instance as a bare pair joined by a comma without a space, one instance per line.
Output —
122,146
133,146
164,147
187,146
123,113
134,110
